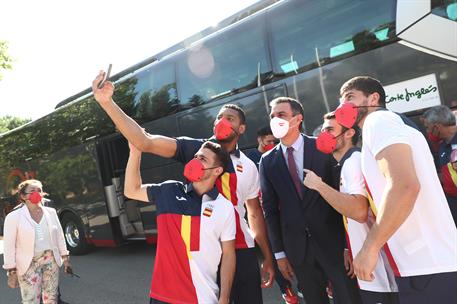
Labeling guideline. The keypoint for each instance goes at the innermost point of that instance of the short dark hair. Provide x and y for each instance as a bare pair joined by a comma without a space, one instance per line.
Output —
366,84
222,157
264,131
355,138
295,105
238,109
329,115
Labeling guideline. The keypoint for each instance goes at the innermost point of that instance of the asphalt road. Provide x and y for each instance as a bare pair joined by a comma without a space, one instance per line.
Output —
109,275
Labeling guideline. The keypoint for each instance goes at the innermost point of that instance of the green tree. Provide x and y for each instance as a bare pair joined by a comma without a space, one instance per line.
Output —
5,59
9,122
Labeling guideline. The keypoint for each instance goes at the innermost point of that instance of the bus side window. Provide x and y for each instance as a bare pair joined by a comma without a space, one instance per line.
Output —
225,64
307,34
155,92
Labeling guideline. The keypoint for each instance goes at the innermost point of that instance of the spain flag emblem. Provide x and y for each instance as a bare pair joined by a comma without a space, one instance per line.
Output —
208,211
239,168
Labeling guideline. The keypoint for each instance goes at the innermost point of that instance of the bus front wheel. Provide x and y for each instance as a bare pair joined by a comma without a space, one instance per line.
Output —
74,234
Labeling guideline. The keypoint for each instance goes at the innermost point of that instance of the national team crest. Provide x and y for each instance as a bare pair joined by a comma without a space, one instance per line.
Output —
239,168
208,211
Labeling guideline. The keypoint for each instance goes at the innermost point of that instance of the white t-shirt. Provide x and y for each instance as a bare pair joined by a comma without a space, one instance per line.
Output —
217,225
426,242
239,185
351,182
42,238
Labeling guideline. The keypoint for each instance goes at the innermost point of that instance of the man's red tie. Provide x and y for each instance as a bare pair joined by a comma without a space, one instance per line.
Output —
293,171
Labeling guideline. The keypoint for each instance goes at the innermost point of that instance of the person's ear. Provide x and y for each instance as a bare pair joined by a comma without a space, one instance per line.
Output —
241,129
218,171
299,119
349,133
259,140
373,99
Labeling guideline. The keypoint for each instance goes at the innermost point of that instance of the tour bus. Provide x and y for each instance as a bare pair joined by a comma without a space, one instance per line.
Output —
305,49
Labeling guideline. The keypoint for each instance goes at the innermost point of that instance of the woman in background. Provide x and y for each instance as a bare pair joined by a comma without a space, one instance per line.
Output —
34,246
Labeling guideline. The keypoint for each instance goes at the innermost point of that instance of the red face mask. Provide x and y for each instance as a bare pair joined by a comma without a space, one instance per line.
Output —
326,142
194,170
346,114
223,129
433,138
268,147
35,197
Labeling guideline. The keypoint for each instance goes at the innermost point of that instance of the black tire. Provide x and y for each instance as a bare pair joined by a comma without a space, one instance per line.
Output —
74,234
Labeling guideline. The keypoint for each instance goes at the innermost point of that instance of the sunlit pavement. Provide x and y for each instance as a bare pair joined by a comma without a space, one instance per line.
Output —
110,275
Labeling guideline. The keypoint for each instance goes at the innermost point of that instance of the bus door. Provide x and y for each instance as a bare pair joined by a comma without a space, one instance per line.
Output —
124,214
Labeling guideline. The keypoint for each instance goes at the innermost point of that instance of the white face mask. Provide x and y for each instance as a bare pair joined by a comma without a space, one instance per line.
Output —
279,127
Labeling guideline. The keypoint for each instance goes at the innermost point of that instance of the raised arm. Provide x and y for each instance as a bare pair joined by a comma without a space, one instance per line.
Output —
133,188
400,194
156,144
354,206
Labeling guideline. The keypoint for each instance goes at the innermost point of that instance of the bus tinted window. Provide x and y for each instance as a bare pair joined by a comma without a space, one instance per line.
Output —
155,92
306,34
223,65
445,8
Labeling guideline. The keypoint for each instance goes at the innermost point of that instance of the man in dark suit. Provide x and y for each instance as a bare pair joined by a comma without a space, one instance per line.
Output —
306,233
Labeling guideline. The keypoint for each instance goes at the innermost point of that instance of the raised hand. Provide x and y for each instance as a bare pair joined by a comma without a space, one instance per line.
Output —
312,181
105,93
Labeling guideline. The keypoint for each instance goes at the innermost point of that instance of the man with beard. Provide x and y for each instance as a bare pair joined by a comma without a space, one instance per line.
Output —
196,229
239,184
413,222
351,202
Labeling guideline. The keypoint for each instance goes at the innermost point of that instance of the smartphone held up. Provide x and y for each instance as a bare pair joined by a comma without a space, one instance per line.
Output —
105,77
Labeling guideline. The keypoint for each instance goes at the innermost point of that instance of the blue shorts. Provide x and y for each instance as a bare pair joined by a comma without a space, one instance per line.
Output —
426,289
372,297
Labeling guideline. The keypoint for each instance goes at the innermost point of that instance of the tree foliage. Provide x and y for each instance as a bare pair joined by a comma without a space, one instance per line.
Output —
5,59
9,122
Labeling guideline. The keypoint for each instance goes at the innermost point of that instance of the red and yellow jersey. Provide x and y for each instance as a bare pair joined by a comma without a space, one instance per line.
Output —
238,184
449,179
190,232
